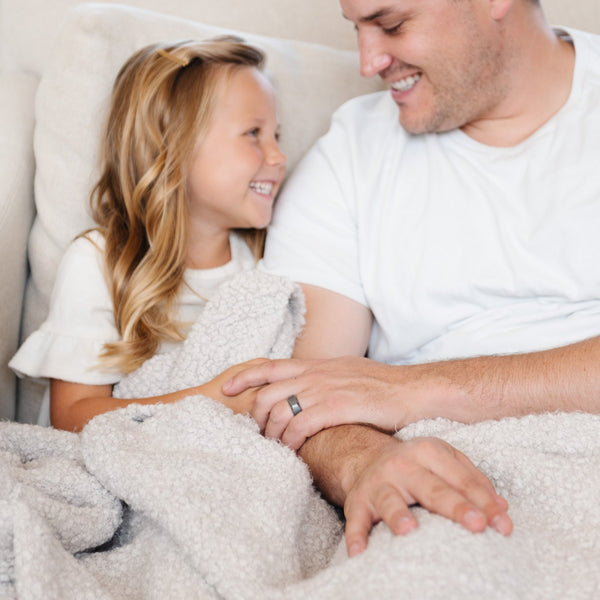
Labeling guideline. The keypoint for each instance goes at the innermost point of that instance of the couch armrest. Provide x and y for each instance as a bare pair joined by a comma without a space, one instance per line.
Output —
17,92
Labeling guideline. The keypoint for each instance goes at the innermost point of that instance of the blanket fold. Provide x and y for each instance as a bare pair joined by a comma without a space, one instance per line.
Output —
253,315
188,500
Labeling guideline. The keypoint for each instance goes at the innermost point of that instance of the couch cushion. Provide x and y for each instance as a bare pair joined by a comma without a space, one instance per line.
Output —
311,81
16,212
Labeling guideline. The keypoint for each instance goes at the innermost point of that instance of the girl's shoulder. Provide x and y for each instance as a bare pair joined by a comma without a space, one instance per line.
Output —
79,322
81,269
88,244
85,252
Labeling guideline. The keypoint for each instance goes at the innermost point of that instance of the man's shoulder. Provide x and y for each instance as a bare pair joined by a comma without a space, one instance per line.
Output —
585,94
587,48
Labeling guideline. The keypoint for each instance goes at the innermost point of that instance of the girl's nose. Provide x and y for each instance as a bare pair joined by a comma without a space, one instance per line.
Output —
274,154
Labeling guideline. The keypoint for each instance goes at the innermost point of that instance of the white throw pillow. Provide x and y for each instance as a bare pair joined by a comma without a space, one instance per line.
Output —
28,28
311,81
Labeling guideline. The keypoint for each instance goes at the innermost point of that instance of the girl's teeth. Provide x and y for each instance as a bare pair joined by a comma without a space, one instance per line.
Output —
262,188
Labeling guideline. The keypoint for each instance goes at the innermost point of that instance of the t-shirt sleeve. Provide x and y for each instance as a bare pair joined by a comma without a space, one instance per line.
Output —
313,238
80,321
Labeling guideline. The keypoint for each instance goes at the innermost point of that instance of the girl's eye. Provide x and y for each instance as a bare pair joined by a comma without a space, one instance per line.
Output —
254,132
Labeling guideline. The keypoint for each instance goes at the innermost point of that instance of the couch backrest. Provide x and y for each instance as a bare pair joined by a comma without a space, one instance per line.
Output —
28,28
580,14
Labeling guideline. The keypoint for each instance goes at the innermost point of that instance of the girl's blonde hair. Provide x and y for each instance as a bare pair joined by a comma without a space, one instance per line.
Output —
161,106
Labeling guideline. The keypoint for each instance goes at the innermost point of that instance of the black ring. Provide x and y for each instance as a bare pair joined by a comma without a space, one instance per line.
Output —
294,404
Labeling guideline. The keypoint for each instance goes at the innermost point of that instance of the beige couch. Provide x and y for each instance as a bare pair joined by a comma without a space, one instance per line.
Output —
58,60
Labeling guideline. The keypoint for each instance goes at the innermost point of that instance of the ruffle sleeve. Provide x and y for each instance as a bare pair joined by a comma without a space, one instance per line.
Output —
80,321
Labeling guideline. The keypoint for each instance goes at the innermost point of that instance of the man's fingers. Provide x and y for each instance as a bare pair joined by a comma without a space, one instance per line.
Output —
292,430
272,405
393,509
310,421
277,419
447,483
437,496
250,377
264,373
359,520
476,474
461,474
387,505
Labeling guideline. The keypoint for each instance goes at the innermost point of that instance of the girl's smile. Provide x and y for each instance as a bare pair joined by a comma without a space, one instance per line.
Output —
237,167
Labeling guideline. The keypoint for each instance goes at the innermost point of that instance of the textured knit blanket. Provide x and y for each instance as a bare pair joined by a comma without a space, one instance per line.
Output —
188,500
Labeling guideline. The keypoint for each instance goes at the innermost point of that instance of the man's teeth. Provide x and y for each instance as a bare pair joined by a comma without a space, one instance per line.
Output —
262,187
405,84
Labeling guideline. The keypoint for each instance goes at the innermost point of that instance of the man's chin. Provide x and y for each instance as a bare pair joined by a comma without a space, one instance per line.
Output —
422,124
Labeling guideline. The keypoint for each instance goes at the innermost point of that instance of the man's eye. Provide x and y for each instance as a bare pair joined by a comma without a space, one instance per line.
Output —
391,30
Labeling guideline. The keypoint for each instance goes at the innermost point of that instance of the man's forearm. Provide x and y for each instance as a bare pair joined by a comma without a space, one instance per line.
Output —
492,387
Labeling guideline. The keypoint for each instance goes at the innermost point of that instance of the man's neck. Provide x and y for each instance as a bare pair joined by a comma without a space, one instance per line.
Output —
540,86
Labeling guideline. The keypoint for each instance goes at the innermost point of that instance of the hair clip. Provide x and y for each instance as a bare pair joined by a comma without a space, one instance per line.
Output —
182,62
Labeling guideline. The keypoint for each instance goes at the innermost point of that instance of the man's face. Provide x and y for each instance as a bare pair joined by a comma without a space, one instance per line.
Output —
443,59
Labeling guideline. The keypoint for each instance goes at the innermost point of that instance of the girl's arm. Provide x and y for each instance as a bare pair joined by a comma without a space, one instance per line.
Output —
72,405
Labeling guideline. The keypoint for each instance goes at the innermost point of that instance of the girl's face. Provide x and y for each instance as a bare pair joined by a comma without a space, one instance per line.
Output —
237,169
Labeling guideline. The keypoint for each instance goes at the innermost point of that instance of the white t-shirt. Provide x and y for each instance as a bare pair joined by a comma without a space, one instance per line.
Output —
81,320
459,249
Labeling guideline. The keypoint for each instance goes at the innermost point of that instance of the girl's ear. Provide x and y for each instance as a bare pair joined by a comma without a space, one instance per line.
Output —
500,8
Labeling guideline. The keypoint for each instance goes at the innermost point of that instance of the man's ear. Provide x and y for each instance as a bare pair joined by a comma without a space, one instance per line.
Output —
500,8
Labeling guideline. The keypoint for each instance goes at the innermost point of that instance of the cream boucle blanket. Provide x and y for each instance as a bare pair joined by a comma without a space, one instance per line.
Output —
188,501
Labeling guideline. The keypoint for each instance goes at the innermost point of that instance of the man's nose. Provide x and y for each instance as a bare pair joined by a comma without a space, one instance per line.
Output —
373,57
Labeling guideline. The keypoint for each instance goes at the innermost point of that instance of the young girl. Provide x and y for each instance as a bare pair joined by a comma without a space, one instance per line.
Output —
191,166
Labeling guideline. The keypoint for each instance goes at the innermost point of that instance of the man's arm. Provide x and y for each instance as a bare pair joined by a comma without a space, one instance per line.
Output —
370,473
353,389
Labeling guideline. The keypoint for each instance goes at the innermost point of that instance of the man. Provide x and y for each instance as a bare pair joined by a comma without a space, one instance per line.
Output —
459,245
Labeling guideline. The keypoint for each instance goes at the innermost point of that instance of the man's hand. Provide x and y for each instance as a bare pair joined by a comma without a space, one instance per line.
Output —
382,478
351,389
331,392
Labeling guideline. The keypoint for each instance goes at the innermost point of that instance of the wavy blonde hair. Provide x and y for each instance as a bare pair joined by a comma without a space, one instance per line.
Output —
161,106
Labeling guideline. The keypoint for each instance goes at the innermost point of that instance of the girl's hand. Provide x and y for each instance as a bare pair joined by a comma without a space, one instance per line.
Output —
244,401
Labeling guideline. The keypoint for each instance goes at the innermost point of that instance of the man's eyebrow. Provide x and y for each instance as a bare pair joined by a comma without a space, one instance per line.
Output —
383,12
